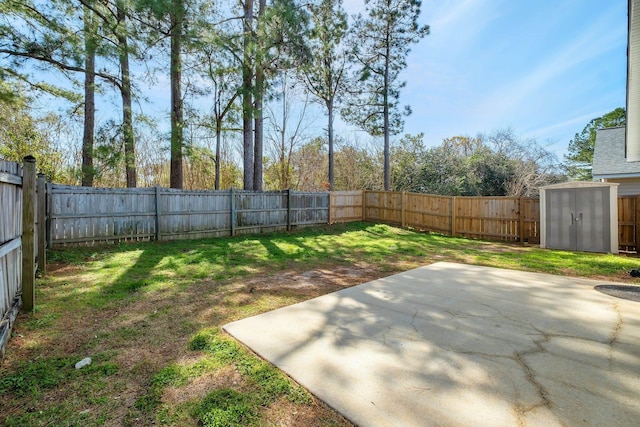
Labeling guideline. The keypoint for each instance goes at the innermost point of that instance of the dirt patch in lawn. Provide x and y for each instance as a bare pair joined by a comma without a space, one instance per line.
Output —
315,282
317,414
151,331
227,377
499,248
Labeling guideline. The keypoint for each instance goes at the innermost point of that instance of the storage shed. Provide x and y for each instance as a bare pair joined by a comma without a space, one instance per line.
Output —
579,216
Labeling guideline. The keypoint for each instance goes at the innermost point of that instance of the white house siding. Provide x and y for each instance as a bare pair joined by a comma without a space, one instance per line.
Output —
627,187
633,83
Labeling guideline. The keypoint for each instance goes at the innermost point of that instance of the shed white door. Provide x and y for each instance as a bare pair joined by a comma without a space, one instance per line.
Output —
578,219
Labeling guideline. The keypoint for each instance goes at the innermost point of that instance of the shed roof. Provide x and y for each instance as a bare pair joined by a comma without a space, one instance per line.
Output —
608,155
579,184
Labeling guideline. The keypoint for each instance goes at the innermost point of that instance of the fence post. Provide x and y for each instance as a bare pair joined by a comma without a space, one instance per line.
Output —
158,213
288,209
403,209
42,223
28,228
232,212
521,218
330,206
453,216
49,190
364,205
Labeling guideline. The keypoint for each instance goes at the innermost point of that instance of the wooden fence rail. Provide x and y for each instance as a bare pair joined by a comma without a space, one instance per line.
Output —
90,215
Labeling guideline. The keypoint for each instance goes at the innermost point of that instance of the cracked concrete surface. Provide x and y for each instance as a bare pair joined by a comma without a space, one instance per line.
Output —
457,345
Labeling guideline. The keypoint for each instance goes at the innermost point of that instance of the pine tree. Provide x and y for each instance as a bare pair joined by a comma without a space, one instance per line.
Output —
273,40
384,38
579,159
326,76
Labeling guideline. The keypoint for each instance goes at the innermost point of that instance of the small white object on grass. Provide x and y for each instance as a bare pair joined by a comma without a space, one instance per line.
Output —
84,362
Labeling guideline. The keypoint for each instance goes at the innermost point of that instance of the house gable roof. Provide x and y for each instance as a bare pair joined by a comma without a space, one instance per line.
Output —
608,155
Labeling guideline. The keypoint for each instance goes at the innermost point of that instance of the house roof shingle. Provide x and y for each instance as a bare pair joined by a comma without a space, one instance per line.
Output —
608,155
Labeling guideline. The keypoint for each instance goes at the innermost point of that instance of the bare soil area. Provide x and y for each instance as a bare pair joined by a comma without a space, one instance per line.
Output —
147,334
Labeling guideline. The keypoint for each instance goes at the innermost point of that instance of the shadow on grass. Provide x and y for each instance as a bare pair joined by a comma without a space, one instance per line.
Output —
148,299
133,269
132,279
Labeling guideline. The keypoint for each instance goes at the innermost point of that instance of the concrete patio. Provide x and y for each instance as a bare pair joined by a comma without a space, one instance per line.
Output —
458,345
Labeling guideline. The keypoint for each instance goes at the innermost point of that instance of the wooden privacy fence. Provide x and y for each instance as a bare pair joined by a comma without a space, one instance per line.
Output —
491,218
629,223
346,206
21,225
10,246
88,215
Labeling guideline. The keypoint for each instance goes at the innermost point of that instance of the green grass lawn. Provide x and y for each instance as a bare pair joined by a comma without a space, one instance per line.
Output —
149,315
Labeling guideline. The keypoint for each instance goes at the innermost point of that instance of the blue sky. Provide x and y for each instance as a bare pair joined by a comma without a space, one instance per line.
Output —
545,68
542,67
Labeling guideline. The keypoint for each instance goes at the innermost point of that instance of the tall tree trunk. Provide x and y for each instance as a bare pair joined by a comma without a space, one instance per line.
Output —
247,98
177,17
89,100
258,129
330,132
284,179
218,142
127,114
259,100
387,151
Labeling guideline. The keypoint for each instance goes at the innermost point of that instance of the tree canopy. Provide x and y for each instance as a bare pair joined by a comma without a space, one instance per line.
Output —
21,134
242,80
384,38
579,158
496,164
